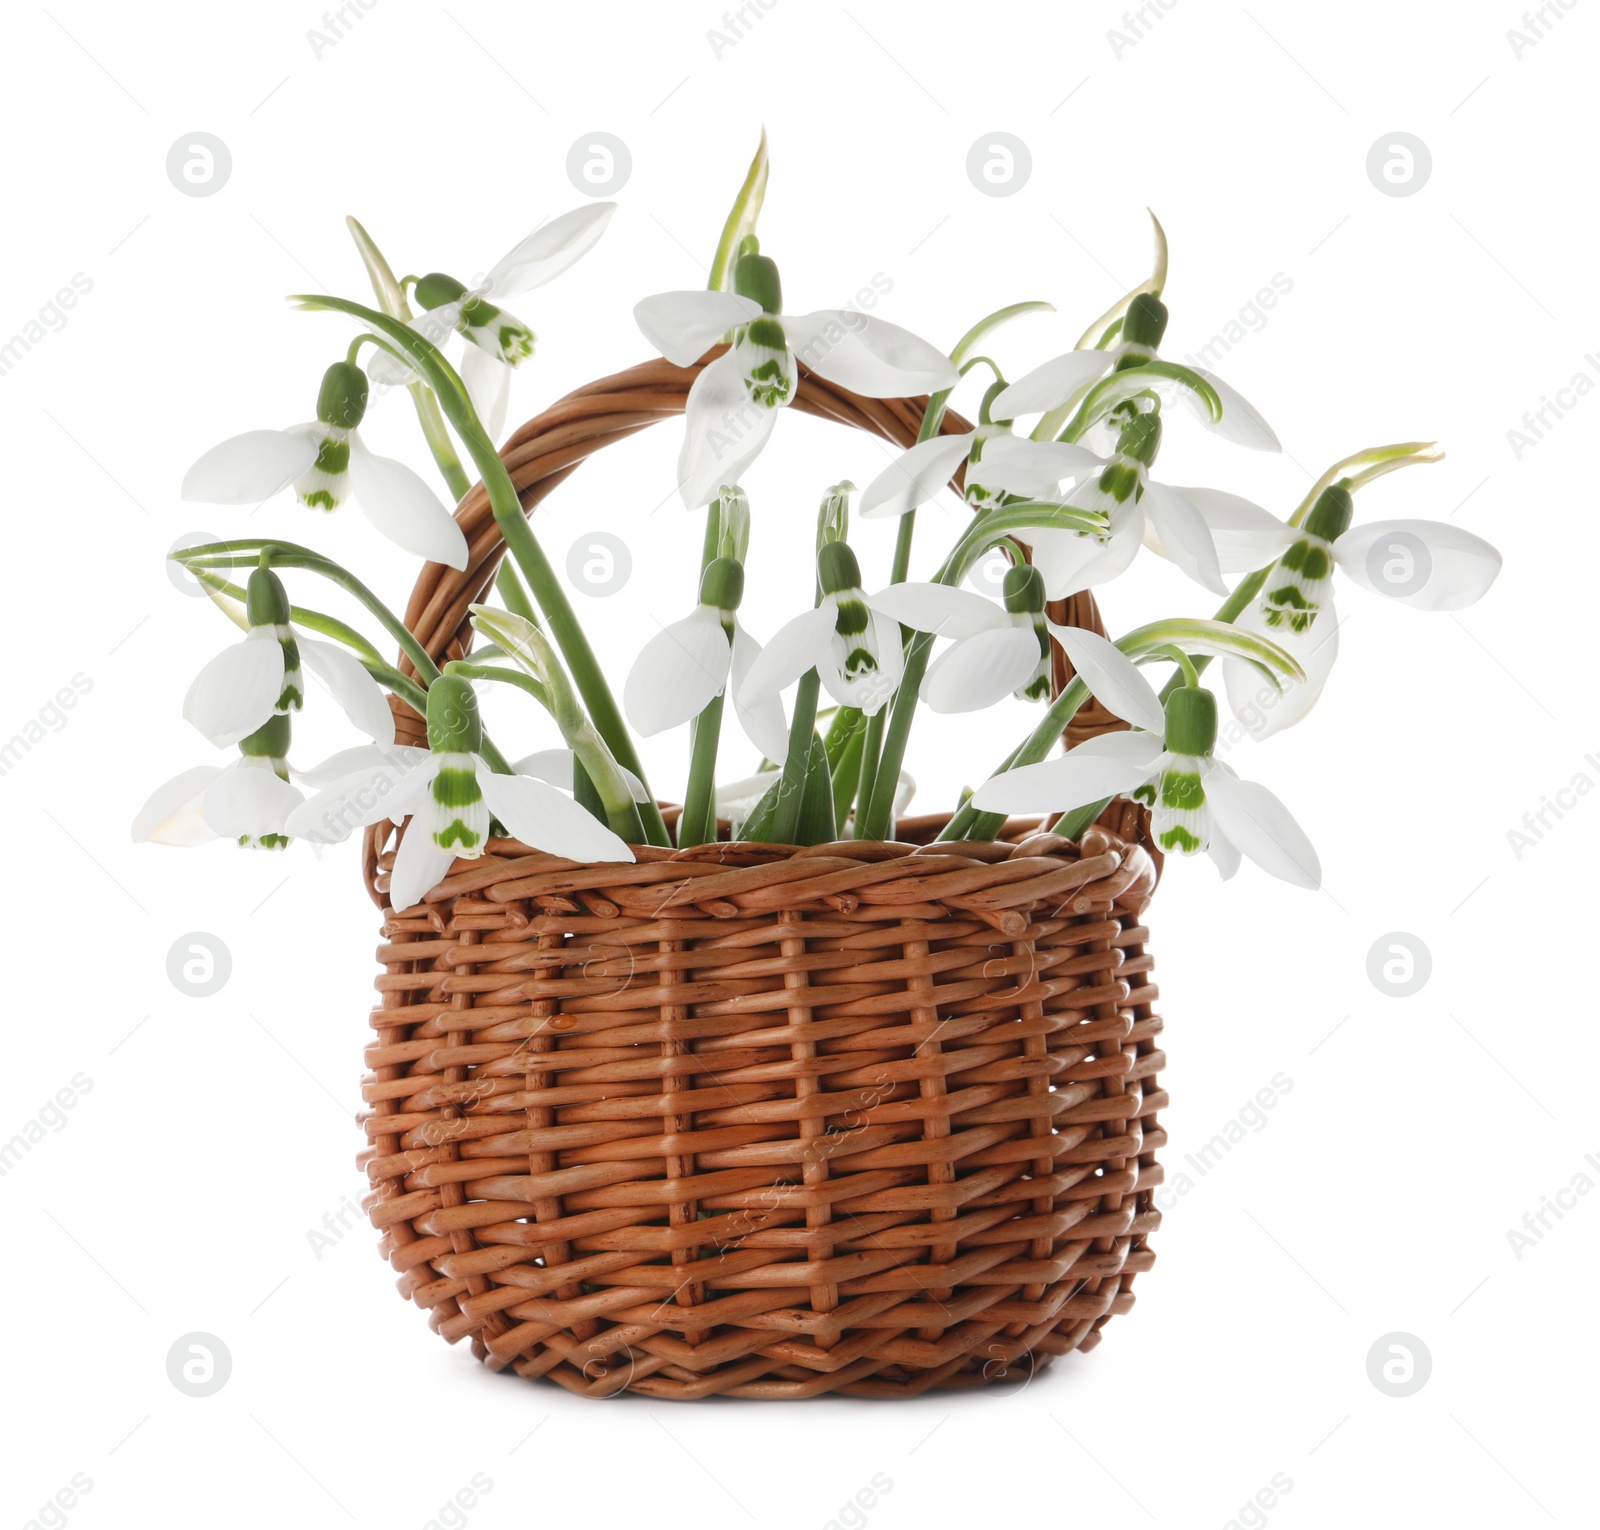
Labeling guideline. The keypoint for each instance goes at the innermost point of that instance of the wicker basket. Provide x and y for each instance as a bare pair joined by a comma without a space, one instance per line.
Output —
753,1120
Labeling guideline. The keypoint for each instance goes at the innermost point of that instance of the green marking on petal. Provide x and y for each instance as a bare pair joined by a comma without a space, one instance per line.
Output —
1308,559
456,787
1180,839
1182,791
455,833
859,661
1145,793
851,618
333,457
1119,480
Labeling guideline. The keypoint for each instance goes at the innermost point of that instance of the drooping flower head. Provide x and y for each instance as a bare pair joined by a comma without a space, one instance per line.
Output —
733,403
328,464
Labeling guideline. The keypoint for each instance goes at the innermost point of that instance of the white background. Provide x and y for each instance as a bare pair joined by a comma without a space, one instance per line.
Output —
178,1192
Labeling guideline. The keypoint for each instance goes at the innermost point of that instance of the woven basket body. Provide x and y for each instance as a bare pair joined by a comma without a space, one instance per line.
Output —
759,1121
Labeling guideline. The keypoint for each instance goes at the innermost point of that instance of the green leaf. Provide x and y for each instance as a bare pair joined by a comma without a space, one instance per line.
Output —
1203,635
741,219
1121,386
817,825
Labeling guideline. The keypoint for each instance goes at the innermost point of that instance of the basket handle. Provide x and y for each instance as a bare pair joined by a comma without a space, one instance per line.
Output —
548,448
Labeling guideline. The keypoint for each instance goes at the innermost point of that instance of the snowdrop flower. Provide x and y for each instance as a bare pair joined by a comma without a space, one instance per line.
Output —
734,402
1197,803
999,649
328,463
685,666
260,677
1426,564
248,801
992,455
450,797
854,648
497,341
1139,510
1133,368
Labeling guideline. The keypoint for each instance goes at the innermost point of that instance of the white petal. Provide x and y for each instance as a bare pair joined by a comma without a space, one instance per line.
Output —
869,356
940,609
248,799
396,759
238,690
360,697
915,476
1427,564
1246,536
1254,700
869,688
361,798
539,815
404,508
555,766
389,371
1223,851
247,469
764,723
419,866
1240,423
1033,468
1131,744
683,326
677,673
1070,563
488,384
1185,537
1262,828
1112,677
795,648
548,251
978,671
1050,385
1074,780
724,432
172,815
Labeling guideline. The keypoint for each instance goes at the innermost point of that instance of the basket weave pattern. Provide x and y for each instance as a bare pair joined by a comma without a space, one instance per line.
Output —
753,1120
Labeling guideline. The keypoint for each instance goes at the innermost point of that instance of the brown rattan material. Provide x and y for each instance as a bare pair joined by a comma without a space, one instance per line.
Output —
759,1121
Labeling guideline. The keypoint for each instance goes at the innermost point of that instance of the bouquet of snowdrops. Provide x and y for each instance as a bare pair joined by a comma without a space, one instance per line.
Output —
1058,474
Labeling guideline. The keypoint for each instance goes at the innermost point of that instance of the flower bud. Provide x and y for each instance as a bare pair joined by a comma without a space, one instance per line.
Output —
342,400
1023,589
1330,516
453,724
756,277
722,584
837,569
1191,721
266,602
1146,321
437,289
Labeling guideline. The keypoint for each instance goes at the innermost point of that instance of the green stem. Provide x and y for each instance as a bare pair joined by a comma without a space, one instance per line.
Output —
698,824
434,432
245,553
847,775
1228,611
513,594
301,616
969,822
871,753
518,536
786,819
